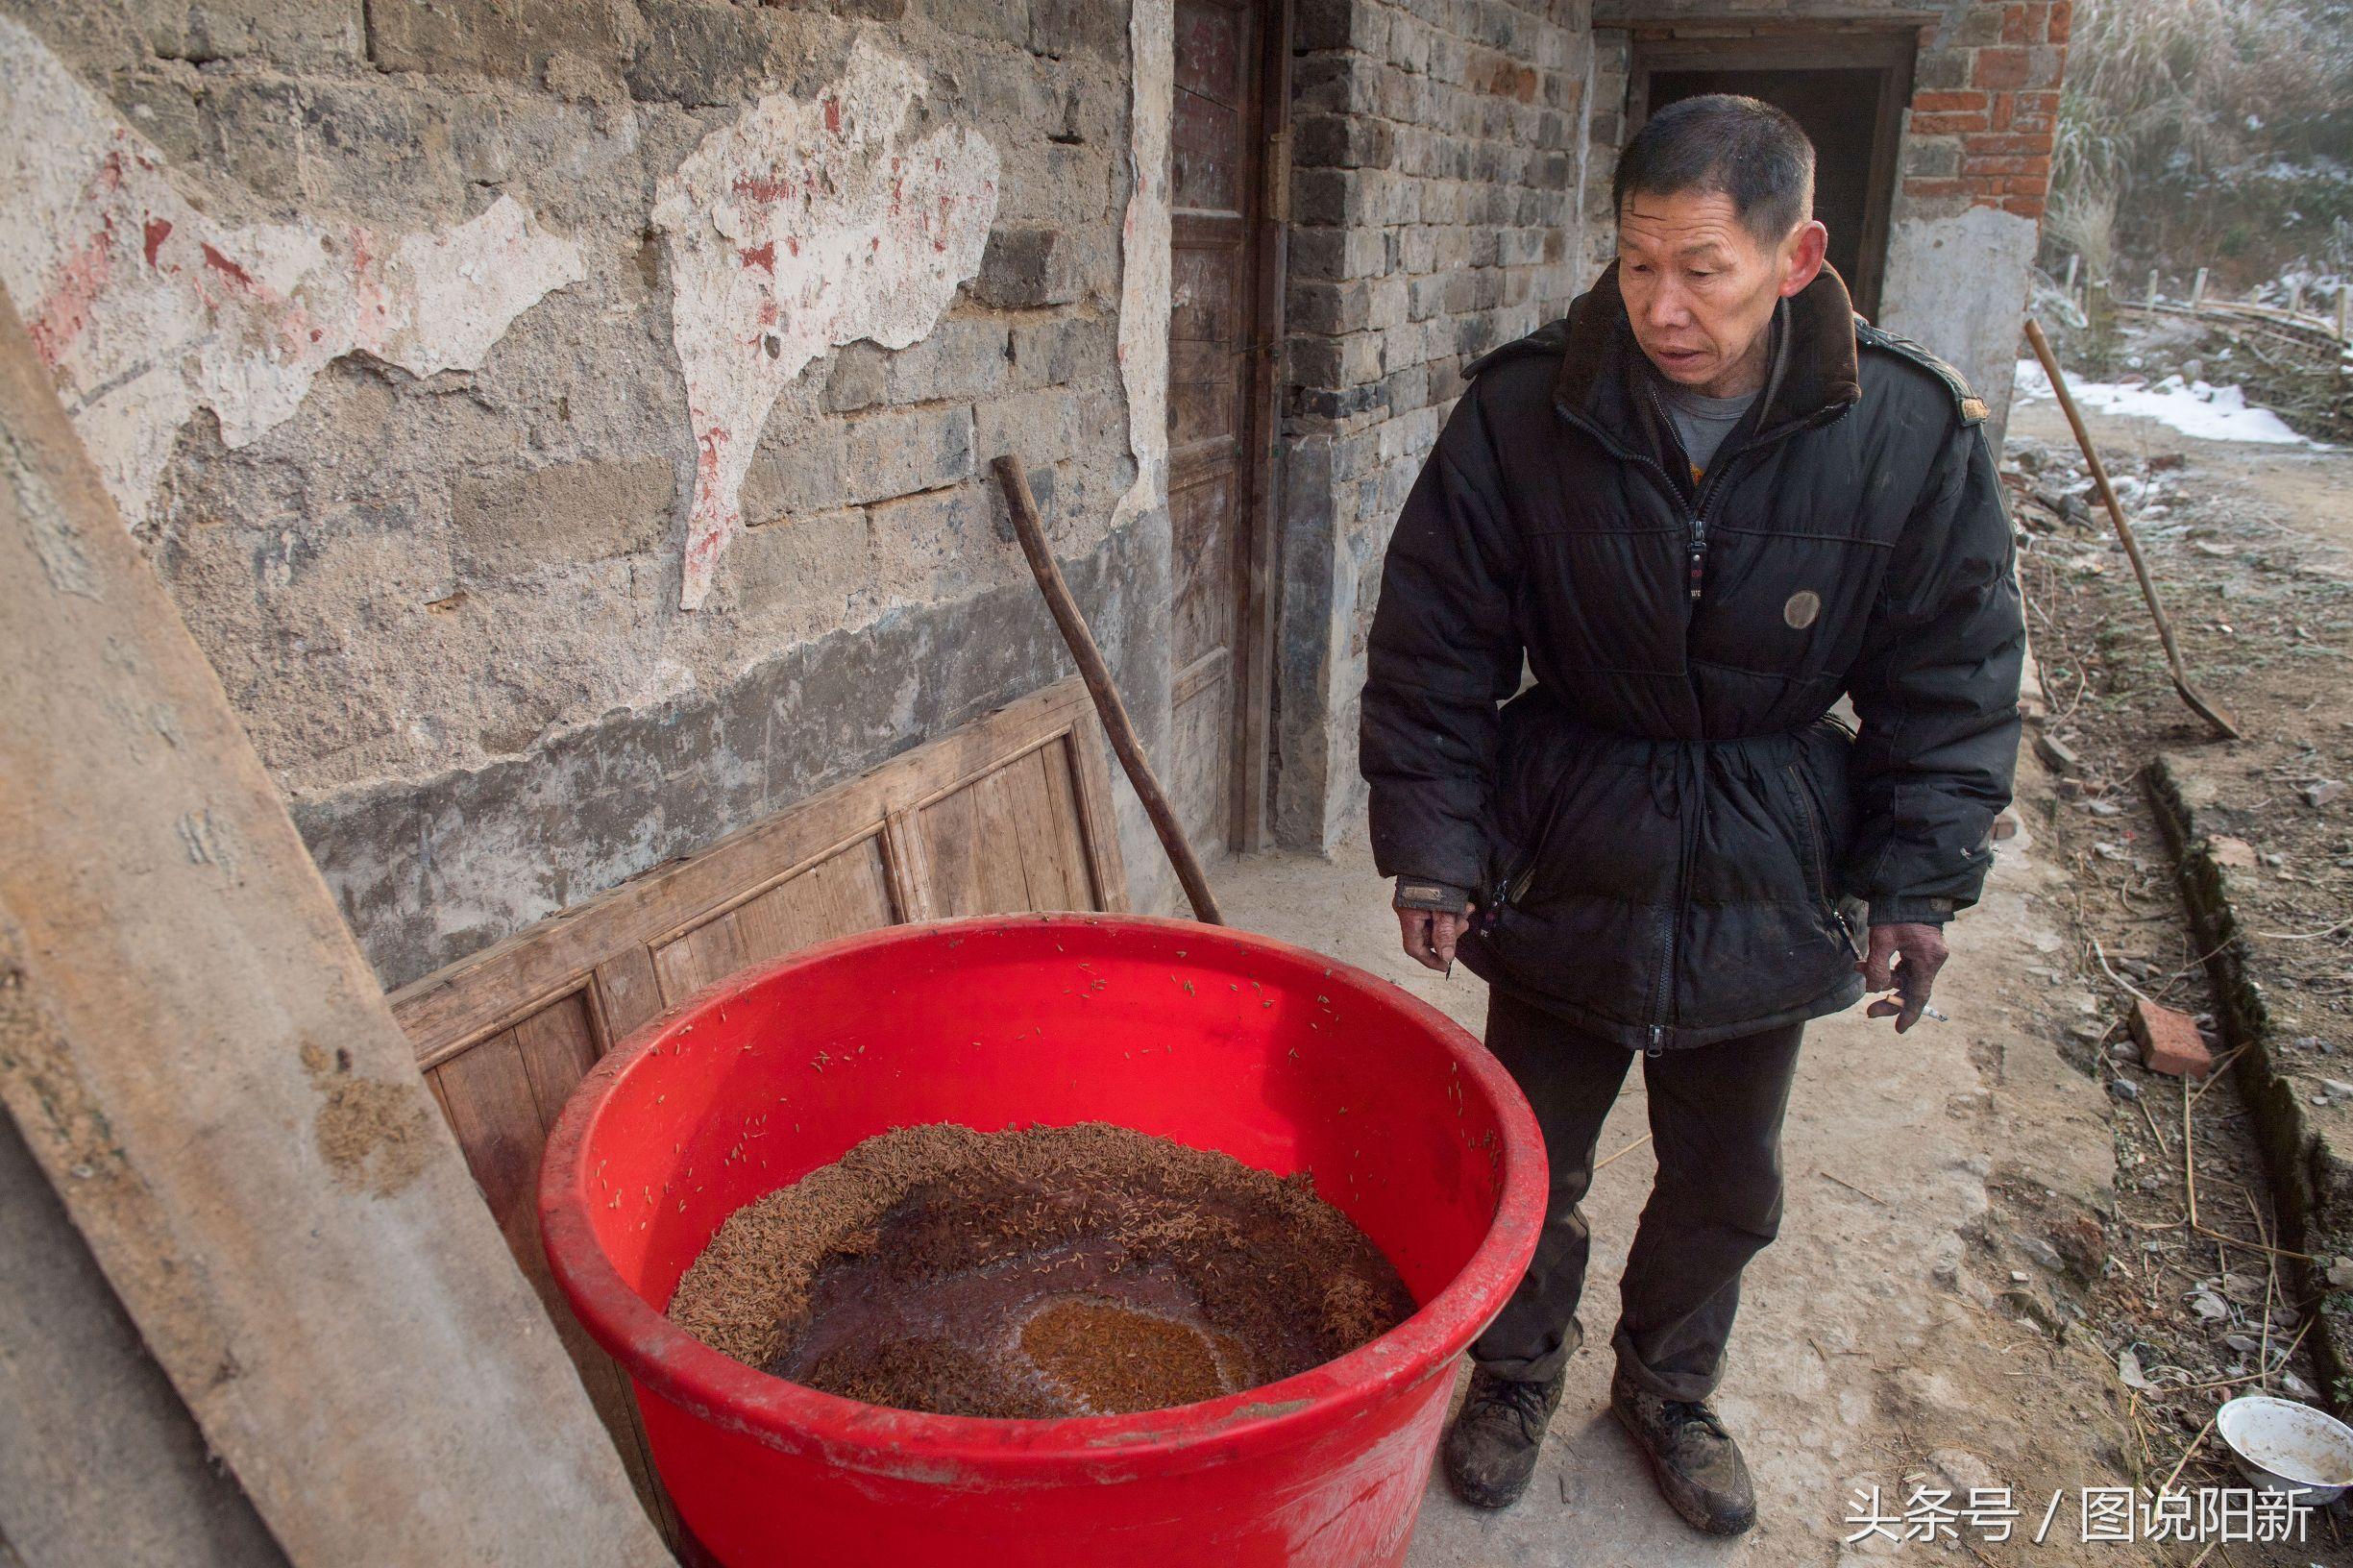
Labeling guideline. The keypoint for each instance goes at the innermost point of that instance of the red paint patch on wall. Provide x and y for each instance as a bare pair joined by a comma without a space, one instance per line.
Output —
64,313
833,116
158,229
222,265
763,188
761,256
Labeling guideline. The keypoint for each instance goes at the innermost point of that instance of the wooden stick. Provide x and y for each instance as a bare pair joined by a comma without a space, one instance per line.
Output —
1030,529
1851,1187
2189,1156
1622,1153
2197,289
2213,716
2183,1462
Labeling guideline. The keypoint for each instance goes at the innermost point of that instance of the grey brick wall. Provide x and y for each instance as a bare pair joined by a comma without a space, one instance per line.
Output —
1437,152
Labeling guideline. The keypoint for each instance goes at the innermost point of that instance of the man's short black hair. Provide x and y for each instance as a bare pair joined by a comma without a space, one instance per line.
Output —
1741,148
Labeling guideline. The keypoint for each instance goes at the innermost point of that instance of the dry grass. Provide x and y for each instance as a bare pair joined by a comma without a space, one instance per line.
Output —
2161,95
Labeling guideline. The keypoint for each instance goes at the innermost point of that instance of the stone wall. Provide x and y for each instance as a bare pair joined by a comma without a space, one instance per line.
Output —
442,354
1976,165
1437,158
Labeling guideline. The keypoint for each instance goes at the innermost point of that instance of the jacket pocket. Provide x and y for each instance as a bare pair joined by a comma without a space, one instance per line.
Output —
1818,852
1813,835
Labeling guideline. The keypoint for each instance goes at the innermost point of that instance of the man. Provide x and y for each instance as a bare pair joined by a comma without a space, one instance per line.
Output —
1702,508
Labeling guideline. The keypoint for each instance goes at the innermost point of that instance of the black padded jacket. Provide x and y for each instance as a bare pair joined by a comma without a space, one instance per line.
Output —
1670,839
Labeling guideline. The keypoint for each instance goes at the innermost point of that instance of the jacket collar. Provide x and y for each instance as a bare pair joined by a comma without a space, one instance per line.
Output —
1602,367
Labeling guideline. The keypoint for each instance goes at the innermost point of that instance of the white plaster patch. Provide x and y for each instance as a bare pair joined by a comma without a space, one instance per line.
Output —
801,228
146,307
1144,274
1958,286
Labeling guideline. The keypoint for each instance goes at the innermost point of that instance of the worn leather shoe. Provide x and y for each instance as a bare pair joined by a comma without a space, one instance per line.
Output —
1697,1465
1491,1449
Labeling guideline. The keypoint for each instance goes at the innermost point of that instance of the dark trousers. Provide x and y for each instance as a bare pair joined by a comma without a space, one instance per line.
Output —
1716,1127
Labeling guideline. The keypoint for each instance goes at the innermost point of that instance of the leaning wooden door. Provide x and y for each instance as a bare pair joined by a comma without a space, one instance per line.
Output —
1216,385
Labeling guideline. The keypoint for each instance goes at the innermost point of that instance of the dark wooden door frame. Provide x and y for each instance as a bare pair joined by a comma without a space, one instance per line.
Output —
1249,590
1259,564
1889,50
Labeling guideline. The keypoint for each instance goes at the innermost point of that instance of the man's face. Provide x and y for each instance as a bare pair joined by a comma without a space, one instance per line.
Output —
1700,286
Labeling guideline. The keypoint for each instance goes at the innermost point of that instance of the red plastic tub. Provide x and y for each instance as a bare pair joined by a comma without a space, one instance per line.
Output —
1215,1038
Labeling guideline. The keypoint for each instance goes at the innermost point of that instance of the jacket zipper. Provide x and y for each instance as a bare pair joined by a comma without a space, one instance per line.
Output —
1696,555
1695,527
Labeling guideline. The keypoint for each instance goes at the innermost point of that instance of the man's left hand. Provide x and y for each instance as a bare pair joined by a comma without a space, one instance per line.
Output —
1905,959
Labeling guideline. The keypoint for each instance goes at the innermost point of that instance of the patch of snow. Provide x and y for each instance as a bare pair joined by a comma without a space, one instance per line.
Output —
2199,408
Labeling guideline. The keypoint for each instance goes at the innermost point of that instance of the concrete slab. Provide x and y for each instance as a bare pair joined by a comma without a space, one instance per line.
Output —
1887,1326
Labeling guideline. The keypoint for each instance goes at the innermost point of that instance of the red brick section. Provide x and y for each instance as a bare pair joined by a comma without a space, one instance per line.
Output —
1987,104
2170,1042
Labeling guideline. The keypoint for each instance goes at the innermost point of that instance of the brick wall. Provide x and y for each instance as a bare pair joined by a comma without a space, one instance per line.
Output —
1435,203
1985,101
447,601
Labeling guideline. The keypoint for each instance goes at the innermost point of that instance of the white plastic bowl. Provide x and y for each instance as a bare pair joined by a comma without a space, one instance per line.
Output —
2284,1446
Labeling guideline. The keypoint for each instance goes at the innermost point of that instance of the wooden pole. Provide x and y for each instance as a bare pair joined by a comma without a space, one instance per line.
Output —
2153,289
2197,289
2343,294
2190,694
1028,527
205,1069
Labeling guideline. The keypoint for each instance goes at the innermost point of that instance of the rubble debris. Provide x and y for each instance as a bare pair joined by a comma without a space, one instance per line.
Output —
2235,853
2056,754
2169,1041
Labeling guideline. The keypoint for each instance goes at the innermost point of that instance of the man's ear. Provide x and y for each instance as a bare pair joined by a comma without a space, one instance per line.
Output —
1804,250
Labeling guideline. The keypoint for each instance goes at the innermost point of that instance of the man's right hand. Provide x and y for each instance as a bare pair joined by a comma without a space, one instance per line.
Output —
1430,937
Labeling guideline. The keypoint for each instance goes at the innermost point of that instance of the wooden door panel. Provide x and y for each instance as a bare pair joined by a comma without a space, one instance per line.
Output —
1202,172
1215,384
1206,300
501,1098
1209,43
1202,736
847,892
1202,565
703,956
1201,418
1011,812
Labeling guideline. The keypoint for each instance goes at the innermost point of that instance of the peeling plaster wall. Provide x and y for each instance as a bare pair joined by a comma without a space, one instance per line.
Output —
441,572
798,229
147,308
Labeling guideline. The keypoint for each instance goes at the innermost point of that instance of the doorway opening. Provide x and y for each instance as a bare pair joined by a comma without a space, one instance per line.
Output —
1847,89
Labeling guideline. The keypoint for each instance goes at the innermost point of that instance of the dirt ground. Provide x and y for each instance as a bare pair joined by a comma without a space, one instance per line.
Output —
2253,552
1958,1291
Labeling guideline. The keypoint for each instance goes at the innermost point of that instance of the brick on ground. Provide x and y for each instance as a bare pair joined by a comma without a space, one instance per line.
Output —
2169,1041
